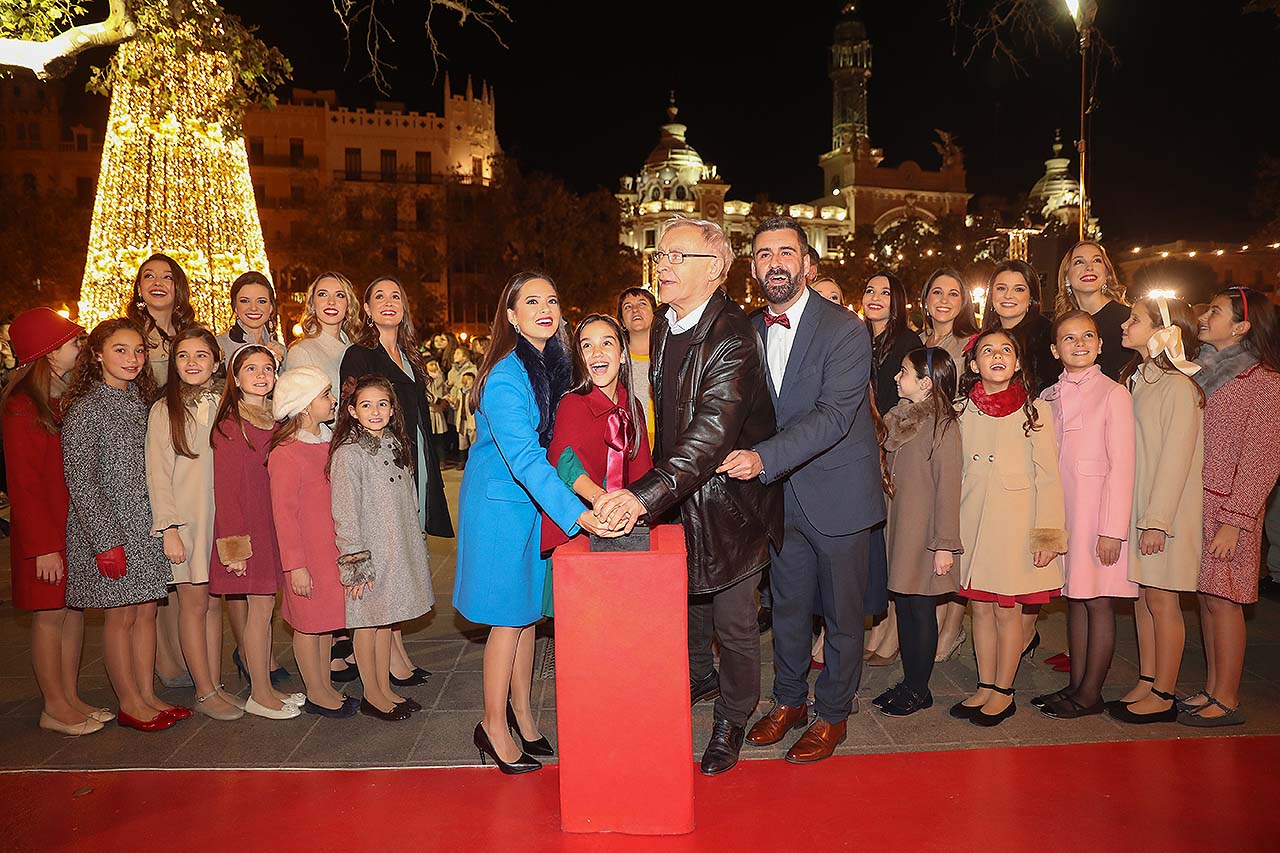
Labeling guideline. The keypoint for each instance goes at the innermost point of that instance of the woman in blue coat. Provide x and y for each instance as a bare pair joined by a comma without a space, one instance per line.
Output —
507,482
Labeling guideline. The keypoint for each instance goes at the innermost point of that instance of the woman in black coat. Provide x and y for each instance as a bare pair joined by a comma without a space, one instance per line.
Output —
388,347
1013,303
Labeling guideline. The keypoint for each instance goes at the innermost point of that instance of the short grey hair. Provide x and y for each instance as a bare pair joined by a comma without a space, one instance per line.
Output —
712,234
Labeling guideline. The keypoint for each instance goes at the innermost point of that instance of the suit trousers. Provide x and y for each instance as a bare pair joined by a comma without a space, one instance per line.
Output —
834,568
729,614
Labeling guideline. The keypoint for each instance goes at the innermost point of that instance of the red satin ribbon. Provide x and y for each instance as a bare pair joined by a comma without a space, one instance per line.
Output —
617,438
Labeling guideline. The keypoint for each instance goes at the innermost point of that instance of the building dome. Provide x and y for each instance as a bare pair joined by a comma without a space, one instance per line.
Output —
1057,194
672,170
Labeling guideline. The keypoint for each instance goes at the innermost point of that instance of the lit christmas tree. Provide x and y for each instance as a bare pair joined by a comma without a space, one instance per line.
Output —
171,182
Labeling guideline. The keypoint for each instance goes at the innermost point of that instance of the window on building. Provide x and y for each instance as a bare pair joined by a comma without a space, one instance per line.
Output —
681,193
84,189
477,167
650,238
259,194
82,141
297,195
353,164
388,164
422,213
296,150
655,194
422,166
257,151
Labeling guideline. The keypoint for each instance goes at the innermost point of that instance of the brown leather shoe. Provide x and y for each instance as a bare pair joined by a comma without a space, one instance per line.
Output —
818,742
774,726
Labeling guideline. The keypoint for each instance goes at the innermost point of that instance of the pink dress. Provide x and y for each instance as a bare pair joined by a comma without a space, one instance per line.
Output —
304,526
1241,421
1093,422
242,517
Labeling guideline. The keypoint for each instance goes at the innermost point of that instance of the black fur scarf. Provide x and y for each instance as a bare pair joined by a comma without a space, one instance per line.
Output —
550,374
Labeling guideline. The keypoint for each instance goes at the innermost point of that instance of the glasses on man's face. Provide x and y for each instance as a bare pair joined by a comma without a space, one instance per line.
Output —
675,257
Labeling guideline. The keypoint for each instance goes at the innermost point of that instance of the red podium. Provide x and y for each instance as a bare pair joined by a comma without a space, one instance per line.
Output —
622,687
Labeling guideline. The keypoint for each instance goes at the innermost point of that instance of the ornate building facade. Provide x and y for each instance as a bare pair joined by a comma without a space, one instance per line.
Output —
858,189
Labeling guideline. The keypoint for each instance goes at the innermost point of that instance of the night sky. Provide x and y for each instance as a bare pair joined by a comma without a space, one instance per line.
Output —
581,90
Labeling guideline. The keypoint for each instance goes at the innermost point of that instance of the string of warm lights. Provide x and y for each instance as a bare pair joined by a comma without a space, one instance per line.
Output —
173,184
1192,253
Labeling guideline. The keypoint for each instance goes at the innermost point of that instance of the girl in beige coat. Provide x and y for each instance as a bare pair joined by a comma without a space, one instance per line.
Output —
1165,542
923,533
1012,518
180,487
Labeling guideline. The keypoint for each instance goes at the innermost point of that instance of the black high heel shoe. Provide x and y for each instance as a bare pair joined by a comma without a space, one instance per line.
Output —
1032,646
541,746
523,764
278,675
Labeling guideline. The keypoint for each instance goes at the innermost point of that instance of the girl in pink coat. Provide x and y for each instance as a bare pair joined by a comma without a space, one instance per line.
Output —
1093,422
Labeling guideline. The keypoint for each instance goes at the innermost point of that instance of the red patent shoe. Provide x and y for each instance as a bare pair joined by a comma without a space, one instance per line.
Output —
177,713
158,723
1059,658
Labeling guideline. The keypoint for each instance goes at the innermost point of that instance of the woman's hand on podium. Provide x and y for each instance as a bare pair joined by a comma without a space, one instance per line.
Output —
592,524
620,510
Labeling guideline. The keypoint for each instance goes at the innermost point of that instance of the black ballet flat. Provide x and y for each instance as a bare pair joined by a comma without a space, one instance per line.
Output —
523,764
988,720
410,705
1124,715
961,711
343,676
541,746
395,715
1045,699
418,676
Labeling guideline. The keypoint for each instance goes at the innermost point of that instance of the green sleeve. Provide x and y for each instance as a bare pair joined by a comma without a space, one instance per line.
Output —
569,467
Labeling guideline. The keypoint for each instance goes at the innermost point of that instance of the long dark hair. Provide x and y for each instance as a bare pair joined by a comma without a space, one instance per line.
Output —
347,429
236,332
35,380
1262,341
582,383
183,314
406,337
88,370
936,364
964,324
179,414
991,319
1182,315
896,325
503,336
232,396
970,379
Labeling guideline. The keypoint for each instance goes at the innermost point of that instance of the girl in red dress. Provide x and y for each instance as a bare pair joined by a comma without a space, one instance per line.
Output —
1241,382
46,346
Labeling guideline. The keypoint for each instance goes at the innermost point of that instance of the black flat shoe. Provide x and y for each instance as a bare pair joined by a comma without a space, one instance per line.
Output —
341,649
708,688
418,676
395,715
1066,708
988,720
541,746
723,748
1122,713
906,702
348,708
1046,698
411,705
886,697
523,764
961,711
344,676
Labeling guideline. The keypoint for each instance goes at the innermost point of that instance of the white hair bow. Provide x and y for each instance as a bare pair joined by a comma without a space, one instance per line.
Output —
1168,340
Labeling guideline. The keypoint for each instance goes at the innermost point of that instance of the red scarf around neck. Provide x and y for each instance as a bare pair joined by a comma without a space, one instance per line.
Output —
1001,403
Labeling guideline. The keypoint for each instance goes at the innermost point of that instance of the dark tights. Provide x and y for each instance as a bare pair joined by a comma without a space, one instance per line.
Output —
1091,638
918,638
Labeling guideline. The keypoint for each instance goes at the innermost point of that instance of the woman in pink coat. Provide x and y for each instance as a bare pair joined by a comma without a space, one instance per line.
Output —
1093,420
1241,382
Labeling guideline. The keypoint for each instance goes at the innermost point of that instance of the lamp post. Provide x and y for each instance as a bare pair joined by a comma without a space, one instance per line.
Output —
1083,13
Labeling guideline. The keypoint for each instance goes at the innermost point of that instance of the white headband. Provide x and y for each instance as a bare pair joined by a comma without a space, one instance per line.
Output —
1168,340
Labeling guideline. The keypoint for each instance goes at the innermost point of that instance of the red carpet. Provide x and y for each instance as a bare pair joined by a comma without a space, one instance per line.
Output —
1217,794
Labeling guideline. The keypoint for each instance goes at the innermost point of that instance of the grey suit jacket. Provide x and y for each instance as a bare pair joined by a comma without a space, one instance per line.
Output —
825,448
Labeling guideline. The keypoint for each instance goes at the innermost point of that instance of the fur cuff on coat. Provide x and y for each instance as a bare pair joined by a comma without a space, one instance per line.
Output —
233,549
1048,539
355,569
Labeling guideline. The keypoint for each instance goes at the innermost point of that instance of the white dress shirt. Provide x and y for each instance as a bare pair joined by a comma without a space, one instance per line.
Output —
778,340
680,325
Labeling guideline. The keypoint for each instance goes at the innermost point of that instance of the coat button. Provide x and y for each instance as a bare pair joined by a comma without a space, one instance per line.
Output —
392,480
975,457
991,459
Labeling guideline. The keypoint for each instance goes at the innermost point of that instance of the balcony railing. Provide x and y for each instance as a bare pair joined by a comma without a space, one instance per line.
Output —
402,176
285,161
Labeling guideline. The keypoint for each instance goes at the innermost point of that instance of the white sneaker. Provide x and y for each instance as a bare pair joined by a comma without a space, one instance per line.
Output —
286,712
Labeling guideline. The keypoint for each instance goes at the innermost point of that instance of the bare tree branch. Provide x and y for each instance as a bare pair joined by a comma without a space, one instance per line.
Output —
48,58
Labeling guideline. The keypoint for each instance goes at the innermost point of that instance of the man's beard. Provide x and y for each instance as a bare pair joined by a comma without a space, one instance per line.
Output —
781,292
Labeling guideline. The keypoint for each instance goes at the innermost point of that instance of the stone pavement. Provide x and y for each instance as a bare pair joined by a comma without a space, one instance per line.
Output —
452,648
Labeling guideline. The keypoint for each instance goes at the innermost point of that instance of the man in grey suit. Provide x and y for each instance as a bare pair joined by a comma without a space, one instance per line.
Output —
826,455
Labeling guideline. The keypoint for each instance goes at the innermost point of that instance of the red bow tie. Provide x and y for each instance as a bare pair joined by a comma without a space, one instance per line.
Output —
780,319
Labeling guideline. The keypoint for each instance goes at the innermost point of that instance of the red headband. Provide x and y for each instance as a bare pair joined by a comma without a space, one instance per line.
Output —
1244,301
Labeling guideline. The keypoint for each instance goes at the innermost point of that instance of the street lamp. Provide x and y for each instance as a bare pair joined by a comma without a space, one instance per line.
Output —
1083,13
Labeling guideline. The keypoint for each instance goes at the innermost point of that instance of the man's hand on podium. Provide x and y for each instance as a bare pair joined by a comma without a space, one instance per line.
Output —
619,511
591,523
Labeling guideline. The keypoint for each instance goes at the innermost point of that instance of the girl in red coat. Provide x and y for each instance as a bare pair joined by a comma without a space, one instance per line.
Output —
1241,382
46,346
599,442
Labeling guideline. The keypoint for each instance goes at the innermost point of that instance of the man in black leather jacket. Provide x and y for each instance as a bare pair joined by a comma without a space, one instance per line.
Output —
710,398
